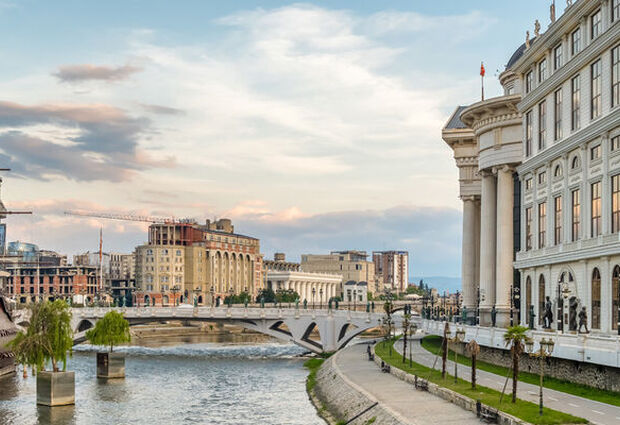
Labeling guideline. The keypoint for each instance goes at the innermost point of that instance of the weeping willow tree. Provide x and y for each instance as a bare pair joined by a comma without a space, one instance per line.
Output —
49,337
111,330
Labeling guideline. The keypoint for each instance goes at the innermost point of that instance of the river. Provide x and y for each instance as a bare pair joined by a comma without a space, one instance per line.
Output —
196,383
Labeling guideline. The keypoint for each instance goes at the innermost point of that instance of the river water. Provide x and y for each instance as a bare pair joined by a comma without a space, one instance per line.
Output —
203,383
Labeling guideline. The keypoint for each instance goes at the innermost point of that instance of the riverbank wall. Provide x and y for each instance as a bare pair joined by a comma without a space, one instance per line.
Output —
344,401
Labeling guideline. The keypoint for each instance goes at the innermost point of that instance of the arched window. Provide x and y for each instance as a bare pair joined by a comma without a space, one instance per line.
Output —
558,171
541,298
596,299
575,162
528,298
615,297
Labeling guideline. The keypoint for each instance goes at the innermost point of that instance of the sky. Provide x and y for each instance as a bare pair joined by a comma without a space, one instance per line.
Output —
313,126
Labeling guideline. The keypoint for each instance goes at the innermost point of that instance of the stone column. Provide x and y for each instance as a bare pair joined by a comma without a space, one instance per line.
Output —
469,252
487,246
505,246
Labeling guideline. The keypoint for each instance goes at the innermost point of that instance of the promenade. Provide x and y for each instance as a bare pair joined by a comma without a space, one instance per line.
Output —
405,403
594,411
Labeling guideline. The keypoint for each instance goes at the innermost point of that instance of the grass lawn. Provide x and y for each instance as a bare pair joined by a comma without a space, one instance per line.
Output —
521,409
313,366
432,343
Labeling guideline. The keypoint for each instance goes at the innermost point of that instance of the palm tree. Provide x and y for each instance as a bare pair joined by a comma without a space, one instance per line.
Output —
405,329
515,337
474,350
444,349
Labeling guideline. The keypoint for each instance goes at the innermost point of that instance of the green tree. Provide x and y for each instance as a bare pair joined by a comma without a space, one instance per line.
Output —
286,296
111,330
268,295
49,336
515,337
474,350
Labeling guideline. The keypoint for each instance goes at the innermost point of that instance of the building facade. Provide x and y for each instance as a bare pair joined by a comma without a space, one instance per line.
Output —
392,269
570,174
353,266
540,180
316,288
187,260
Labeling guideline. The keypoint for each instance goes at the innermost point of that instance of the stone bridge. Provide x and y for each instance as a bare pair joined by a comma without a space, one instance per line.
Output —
335,327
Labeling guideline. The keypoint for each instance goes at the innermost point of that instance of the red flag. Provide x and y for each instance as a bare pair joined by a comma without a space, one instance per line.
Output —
481,69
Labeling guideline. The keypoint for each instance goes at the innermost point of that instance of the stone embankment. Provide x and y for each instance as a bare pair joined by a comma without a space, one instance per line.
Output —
344,401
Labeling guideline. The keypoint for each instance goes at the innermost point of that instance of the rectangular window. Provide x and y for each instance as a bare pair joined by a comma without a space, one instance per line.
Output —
575,103
542,178
542,224
615,76
596,209
528,184
576,215
528,133
542,70
615,10
596,89
595,152
615,143
596,25
557,57
557,115
575,39
557,225
529,82
542,125
528,228
615,203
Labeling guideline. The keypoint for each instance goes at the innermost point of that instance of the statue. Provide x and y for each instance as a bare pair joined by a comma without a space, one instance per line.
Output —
367,307
305,304
583,320
572,314
464,315
536,28
297,303
493,316
195,302
548,316
527,39
372,306
569,3
245,302
552,11
262,301
532,317
329,304
337,303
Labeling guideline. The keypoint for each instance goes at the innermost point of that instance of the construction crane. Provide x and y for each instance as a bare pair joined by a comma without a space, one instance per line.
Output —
3,211
129,217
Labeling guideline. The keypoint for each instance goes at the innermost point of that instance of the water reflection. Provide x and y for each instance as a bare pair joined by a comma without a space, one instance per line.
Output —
58,415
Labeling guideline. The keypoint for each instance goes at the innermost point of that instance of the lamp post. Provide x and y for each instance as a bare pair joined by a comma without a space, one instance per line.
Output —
459,336
320,297
355,299
413,330
545,350
175,289
231,291
163,292
212,291
313,293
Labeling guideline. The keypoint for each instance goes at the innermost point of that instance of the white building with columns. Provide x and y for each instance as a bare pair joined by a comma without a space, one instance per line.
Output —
312,287
543,162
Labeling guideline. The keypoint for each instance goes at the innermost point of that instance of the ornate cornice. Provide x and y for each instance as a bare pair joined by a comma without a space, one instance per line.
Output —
498,111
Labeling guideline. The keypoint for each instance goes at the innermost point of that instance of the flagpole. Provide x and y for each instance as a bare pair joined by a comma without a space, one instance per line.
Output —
482,85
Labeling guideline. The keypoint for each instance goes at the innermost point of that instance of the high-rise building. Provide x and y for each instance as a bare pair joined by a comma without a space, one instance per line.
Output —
392,269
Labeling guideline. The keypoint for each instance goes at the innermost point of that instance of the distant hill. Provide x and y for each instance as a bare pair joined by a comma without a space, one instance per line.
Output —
442,283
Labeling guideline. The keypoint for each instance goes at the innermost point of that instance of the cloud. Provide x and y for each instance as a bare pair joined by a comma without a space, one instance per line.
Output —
431,235
87,72
78,142
159,109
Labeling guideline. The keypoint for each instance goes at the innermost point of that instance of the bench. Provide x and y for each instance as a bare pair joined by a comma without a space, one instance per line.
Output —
420,384
486,413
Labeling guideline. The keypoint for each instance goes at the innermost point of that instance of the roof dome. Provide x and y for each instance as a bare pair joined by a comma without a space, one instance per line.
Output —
516,56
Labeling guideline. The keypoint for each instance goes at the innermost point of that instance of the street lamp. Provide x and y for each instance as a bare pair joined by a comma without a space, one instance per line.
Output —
459,336
175,289
320,297
163,292
545,350
231,291
313,292
355,299
413,329
212,291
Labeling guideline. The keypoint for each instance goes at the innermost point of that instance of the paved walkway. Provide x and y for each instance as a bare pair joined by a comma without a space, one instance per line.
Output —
594,411
409,405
